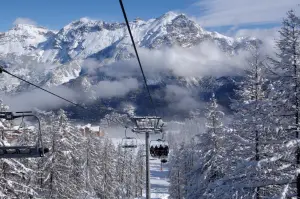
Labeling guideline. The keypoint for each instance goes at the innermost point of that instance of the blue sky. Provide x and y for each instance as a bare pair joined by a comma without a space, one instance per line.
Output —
57,13
218,15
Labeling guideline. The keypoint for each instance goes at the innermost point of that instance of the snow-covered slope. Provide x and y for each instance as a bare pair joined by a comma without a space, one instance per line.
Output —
62,52
85,37
52,58
23,39
159,180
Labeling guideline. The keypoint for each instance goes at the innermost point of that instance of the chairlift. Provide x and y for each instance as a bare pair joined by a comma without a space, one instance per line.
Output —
129,142
34,151
160,149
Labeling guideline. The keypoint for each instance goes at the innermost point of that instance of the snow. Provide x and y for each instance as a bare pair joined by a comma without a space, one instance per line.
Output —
158,180
85,37
22,38
106,42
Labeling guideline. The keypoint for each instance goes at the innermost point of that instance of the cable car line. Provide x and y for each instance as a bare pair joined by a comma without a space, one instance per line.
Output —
2,70
137,56
5,71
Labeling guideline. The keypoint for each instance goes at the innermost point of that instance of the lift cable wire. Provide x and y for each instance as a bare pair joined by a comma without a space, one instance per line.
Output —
137,56
69,101
5,71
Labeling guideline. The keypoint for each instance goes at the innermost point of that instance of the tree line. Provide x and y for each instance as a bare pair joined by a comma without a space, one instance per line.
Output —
256,154
79,165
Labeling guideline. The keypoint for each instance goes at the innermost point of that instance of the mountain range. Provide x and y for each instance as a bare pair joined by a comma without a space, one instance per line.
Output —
53,58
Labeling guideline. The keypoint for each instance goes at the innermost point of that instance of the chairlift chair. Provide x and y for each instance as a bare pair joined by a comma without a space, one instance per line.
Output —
129,142
159,153
34,151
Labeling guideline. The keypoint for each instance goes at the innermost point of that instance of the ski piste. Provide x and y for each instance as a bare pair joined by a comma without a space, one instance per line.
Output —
159,180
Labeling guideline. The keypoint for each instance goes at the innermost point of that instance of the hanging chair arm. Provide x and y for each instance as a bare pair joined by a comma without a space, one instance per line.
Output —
126,131
11,116
39,140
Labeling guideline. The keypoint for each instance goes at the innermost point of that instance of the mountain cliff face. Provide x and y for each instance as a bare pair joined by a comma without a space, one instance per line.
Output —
52,58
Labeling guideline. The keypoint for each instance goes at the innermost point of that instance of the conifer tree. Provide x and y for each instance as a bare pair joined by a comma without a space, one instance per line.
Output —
285,96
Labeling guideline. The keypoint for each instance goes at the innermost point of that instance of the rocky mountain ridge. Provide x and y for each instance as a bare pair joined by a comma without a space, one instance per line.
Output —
53,58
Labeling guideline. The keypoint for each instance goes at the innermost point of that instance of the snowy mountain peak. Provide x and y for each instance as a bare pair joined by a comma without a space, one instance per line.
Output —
169,16
86,20
82,23
23,26
27,29
86,37
138,19
23,39
103,41
165,19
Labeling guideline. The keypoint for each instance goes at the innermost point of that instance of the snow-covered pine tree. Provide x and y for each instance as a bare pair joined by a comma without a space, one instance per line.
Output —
286,99
14,176
89,161
190,156
47,120
77,156
130,165
184,159
92,161
139,172
187,156
176,176
107,183
211,151
28,136
129,174
250,120
120,169
260,162
57,170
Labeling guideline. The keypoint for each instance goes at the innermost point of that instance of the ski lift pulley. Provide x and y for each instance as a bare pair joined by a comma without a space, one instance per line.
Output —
34,151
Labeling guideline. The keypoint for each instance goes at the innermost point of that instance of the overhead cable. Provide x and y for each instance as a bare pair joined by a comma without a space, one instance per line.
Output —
2,70
5,71
137,56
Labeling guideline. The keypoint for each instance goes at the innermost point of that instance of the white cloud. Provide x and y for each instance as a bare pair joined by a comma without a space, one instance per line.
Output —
180,98
202,60
268,36
258,33
39,99
90,65
107,89
238,12
21,20
42,100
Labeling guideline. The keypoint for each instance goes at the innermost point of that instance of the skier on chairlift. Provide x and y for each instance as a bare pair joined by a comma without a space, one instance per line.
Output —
161,150
156,151
166,150
152,151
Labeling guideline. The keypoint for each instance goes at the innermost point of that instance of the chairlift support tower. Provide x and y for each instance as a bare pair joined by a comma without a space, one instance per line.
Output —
147,125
